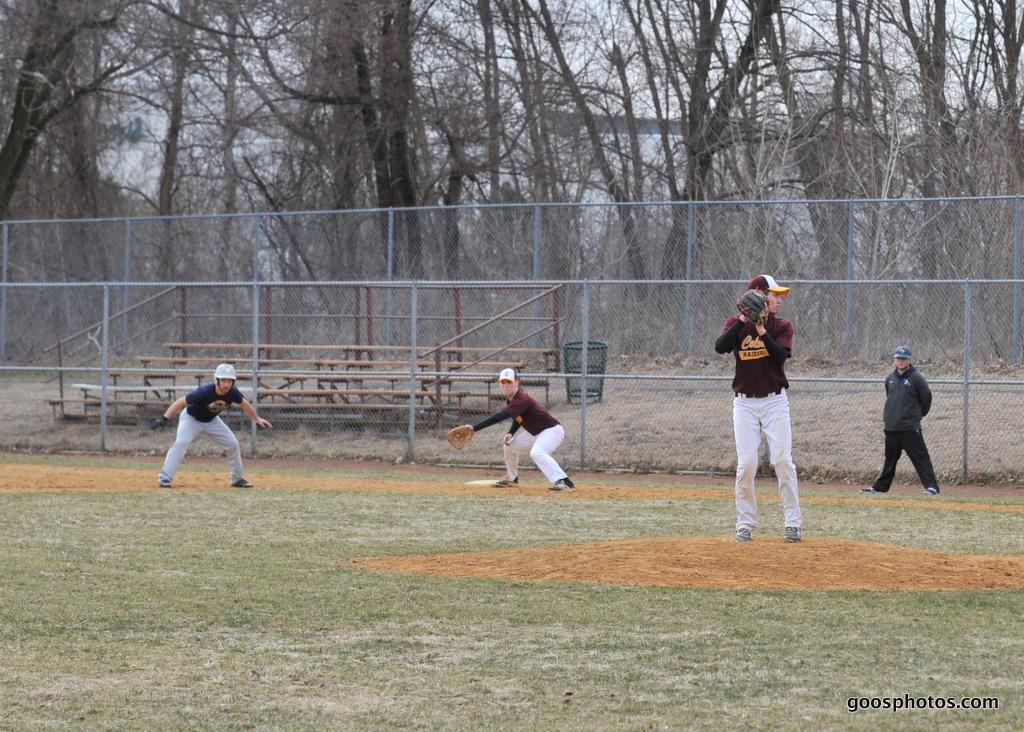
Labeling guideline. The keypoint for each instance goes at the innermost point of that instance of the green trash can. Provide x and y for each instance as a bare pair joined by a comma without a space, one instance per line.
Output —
572,363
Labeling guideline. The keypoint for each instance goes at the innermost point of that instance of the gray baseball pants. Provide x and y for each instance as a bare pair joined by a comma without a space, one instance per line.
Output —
220,433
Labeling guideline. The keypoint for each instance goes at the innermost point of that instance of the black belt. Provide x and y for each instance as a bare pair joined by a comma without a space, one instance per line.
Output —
760,396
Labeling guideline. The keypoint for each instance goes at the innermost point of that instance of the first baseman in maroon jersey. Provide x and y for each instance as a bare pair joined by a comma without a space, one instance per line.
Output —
533,431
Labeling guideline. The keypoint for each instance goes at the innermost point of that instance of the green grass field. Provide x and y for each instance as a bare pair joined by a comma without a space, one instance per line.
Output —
236,610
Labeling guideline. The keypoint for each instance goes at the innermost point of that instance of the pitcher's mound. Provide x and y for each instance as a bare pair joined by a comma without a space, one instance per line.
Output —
816,563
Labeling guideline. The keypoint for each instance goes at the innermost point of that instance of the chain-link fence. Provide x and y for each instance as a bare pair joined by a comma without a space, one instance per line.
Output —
925,239
381,369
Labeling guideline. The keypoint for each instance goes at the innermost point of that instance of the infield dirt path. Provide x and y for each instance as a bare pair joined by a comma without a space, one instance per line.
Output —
816,563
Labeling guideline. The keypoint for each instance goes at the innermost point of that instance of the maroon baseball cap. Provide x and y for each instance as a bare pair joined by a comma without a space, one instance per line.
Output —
768,284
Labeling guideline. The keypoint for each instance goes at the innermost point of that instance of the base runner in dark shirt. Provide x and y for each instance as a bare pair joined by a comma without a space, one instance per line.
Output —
201,414
761,407
533,431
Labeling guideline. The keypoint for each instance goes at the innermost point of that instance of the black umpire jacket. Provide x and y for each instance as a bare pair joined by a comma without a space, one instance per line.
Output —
907,400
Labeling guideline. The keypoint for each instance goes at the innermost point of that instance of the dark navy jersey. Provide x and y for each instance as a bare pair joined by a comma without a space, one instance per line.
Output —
205,403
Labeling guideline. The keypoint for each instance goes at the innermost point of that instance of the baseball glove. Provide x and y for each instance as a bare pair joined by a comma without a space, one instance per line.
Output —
158,423
459,437
752,306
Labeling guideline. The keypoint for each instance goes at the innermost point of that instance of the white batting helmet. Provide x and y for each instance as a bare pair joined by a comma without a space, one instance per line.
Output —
225,371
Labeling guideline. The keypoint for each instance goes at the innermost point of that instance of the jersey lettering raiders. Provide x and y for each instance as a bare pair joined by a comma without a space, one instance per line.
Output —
756,370
752,347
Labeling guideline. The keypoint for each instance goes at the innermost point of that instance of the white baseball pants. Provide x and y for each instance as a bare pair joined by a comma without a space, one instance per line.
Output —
540,449
752,418
220,433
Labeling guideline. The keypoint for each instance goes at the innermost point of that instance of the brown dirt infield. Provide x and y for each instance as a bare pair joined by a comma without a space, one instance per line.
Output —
817,563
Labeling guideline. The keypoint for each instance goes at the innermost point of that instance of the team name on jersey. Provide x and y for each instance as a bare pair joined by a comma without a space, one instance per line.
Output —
752,347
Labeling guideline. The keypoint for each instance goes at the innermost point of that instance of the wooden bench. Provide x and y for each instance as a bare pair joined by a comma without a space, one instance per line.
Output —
276,363
311,376
166,392
142,411
552,357
166,379
325,381
146,409
171,379
343,394
451,353
326,374
353,350
329,362
155,398
494,394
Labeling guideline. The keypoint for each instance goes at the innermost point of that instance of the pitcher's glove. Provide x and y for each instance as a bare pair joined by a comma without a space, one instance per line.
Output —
752,306
459,437
158,423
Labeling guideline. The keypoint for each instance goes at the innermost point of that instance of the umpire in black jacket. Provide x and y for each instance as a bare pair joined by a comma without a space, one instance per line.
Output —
907,400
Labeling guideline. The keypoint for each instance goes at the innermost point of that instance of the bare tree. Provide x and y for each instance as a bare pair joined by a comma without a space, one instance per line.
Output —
612,178
993,62
711,97
51,77
181,51
354,60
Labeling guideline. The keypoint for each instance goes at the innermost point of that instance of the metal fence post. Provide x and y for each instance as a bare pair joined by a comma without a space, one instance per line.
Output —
410,456
125,300
689,277
967,372
849,282
1016,277
106,366
253,427
536,266
3,298
391,273
583,376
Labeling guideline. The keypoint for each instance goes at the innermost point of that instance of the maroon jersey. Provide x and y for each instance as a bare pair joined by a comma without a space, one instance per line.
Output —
528,412
756,373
